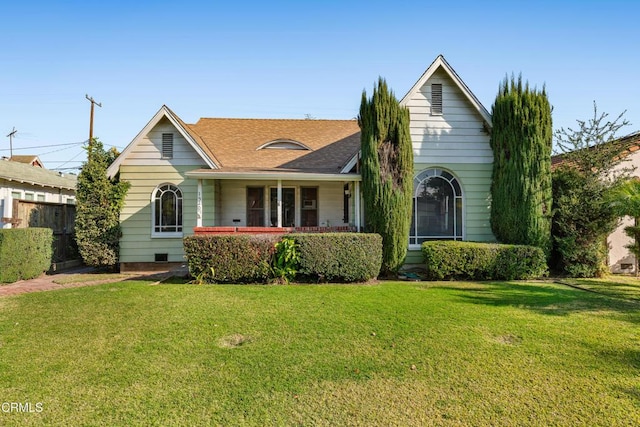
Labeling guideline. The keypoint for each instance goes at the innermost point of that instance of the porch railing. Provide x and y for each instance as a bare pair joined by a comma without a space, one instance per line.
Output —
272,230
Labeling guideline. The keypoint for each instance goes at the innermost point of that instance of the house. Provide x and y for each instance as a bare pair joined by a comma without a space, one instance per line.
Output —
620,258
453,160
29,181
28,159
266,175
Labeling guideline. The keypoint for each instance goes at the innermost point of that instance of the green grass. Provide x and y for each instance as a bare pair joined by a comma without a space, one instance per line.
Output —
618,286
447,353
90,277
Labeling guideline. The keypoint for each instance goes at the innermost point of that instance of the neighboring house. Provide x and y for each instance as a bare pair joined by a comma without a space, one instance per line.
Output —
254,175
620,258
28,159
22,181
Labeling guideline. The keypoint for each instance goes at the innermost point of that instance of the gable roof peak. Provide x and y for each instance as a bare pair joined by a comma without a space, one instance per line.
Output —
441,63
189,134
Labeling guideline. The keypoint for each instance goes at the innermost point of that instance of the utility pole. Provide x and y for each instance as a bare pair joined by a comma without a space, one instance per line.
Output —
10,136
91,118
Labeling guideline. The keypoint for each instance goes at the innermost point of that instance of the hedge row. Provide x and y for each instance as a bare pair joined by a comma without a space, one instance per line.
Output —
345,257
238,258
25,253
453,260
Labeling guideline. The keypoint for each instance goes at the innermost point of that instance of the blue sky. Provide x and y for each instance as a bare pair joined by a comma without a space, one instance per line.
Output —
283,59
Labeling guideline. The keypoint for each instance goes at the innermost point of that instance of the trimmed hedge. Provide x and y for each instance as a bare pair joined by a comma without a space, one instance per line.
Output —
237,258
242,258
453,260
346,257
25,253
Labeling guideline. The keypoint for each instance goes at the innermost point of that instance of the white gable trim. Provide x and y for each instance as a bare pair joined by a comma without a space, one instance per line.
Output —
351,163
162,112
440,62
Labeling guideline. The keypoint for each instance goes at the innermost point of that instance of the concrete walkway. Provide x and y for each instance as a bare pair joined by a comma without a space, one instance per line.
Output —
46,281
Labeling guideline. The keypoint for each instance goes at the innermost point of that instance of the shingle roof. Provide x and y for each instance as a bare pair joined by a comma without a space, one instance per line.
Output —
628,144
24,173
25,158
197,138
235,143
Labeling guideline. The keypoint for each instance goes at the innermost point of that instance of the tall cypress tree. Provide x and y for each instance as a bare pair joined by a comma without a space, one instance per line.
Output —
387,172
99,202
521,140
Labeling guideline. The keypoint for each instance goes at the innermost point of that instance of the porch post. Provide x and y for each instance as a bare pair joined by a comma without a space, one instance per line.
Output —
199,205
279,203
7,211
356,186
213,206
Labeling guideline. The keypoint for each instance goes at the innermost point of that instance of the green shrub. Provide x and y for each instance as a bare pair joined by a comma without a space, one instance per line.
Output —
348,257
583,217
482,261
238,258
25,253
285,260
99,203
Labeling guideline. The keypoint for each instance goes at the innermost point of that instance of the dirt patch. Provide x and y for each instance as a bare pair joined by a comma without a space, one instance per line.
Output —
234,341
508,339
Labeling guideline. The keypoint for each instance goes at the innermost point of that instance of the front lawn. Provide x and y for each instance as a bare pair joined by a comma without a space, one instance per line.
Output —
443,353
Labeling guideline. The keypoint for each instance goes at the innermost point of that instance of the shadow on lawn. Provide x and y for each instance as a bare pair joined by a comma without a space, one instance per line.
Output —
547,299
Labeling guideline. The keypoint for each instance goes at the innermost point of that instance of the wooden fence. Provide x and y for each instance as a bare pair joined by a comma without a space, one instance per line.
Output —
57,216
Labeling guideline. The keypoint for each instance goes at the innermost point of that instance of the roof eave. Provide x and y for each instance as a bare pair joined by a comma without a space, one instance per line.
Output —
271,175
37,184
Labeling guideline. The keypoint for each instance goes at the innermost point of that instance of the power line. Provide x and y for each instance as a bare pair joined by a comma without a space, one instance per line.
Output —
44,146
69,161
65,161
64,169
54,151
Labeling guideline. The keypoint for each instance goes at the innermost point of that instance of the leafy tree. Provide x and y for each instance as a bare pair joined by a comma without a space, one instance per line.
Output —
99,202
583,215
387,172
521,140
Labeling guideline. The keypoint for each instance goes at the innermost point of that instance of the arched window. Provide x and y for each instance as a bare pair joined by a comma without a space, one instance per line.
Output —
437,207
166,203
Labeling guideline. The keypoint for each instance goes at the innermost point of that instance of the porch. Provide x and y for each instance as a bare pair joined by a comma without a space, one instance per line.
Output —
271,230
276,202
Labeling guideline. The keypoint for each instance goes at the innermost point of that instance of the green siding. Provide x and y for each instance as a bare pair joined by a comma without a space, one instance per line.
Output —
136,244
413,257
475,180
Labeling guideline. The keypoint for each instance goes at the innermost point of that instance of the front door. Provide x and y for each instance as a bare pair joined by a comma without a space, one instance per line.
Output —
288,207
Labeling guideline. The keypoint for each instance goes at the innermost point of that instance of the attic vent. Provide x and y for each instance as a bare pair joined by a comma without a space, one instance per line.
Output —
167,145
283,144
436,98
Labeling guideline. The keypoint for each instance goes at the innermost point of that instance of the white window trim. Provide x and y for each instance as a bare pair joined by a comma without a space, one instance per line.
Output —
171,235
418,246
158,234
